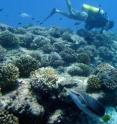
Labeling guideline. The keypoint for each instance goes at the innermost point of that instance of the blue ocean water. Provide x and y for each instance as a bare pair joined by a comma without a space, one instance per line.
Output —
39,9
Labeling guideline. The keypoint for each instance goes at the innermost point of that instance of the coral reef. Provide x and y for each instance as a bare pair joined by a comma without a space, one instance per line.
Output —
9,73
104,80
47,48
94,38
105,53
94,84
7,118
84,58
2,53
69,55
108,76
25,40
44,80
55,32
56,117
59,46
48,73
23,103
79,69
39,42
55,59
40,63
26,64
8,39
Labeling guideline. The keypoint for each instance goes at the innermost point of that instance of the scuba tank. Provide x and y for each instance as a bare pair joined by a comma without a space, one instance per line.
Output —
92,9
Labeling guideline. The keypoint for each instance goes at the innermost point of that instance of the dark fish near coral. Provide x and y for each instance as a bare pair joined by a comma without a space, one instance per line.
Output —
19,23
87,104
1,9
33,18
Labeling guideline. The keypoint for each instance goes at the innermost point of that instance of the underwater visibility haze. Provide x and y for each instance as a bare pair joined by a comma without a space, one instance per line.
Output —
58,62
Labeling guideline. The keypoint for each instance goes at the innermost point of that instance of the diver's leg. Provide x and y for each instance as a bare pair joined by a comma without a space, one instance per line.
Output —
70,8
77,15
61,12
54,11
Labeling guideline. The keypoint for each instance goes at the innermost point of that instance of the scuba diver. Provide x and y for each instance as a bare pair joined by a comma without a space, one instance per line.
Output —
92,16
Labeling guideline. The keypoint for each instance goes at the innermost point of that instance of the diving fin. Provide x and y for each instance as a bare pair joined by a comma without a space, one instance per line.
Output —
50,15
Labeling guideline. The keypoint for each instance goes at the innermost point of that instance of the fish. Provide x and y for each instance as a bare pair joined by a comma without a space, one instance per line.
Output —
49,16
19,23
1,9
87,104
33,18
25,15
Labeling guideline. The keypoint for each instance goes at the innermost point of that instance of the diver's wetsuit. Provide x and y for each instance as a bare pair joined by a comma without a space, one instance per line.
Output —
96,20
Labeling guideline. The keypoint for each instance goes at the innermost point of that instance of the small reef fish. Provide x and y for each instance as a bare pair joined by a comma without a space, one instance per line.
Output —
1,9
25,15
33,18
19,23
87,104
